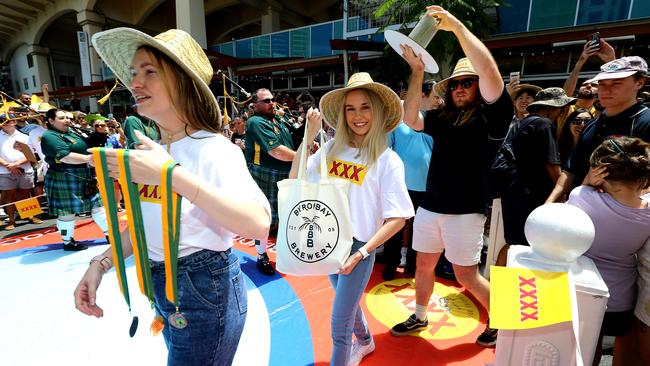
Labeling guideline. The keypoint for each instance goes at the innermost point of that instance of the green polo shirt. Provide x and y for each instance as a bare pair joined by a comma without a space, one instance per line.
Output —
133,123
57,145
264,135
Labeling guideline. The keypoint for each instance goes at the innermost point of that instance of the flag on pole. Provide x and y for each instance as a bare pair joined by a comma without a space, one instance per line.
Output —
522,298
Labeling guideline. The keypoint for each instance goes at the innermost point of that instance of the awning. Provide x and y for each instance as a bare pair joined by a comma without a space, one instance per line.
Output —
96,88
294,64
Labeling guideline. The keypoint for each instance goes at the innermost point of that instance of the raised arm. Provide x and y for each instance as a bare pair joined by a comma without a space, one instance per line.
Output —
314,124
490,81
412,116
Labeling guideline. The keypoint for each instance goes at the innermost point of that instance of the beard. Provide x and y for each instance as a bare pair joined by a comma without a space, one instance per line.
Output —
586,94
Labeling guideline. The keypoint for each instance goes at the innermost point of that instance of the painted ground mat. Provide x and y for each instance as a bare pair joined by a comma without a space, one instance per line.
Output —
287,322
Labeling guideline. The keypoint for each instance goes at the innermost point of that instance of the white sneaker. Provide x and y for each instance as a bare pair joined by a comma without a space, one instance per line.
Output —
359,351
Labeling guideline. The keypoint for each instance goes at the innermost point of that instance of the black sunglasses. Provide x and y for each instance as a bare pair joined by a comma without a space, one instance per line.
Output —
464,83
266,101
100,125
580,121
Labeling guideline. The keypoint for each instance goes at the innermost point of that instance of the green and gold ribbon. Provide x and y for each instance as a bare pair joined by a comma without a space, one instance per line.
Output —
171,220
171,205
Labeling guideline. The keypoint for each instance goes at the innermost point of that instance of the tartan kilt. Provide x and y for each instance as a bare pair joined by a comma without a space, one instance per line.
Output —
64,189
267,180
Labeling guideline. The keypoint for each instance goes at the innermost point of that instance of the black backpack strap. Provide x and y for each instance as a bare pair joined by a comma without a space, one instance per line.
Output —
530,120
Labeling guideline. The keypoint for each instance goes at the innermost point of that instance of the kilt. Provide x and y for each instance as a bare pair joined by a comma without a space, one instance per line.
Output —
267,180
64,189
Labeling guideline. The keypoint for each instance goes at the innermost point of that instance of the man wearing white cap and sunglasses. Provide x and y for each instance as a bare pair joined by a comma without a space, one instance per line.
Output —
465,132
619,82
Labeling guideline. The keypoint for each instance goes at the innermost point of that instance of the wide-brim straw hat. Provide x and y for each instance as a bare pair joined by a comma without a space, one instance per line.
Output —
529,88
463,67
118,46
331,104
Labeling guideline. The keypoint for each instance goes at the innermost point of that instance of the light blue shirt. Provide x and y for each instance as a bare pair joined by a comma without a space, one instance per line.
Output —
414,148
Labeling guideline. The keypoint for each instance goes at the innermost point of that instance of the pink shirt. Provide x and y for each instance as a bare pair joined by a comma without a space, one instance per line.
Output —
620,232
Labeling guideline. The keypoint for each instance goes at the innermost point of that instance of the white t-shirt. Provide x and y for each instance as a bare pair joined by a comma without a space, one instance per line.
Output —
219,163
376,193
9,154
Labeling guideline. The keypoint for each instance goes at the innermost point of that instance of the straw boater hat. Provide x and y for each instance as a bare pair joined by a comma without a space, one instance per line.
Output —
463,67
118,46
332,103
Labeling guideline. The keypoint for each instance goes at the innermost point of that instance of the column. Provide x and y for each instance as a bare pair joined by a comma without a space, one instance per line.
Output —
270,21
41,58
190,17
92,23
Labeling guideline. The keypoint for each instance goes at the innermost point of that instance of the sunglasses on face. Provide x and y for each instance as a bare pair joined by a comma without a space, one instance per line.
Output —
464,83
266,101
100,125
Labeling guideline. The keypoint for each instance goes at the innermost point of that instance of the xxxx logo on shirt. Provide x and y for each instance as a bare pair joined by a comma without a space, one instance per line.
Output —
451,314
353,172
149,193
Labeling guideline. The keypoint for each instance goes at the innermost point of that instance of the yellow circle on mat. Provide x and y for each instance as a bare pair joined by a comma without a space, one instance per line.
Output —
451,314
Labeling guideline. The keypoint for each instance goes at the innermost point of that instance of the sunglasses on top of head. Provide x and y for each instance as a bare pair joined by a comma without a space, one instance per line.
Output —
463,83
266,101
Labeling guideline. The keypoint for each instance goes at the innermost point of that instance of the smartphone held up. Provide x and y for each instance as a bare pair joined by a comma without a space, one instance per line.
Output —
594,39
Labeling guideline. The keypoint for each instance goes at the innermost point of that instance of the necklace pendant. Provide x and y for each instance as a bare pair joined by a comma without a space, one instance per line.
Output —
157,325
177,320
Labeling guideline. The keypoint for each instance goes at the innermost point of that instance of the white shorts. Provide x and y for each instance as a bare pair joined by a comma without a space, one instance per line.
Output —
461,236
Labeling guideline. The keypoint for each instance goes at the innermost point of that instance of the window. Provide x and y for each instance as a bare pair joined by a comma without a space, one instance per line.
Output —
641,9
320,40
30,60
25,83
261,47
66,81
280,44
552,14
514,17
280,82
300,42
243,48
320,78
598,11
34,80
17,87
227,49
299,82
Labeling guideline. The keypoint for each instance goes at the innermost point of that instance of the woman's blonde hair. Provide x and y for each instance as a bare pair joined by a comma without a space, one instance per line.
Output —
374,142
190,104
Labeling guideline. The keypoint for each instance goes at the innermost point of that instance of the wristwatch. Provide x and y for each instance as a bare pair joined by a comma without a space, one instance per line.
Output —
364,252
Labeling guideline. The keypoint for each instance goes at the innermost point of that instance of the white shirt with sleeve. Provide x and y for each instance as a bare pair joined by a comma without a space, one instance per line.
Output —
376,193
218,163
11,155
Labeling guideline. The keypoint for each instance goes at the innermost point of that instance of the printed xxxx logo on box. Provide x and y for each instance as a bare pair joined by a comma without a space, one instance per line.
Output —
312,222
523,298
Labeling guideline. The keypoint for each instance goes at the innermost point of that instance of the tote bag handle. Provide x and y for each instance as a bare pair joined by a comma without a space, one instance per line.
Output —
302,167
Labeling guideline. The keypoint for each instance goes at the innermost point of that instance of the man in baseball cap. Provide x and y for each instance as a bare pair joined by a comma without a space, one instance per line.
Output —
619,82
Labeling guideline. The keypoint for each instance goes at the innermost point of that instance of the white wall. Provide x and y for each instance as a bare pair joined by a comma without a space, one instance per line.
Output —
20,71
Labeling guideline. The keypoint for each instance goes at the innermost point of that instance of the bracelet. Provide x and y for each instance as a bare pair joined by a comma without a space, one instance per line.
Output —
101,259
196,195
364,252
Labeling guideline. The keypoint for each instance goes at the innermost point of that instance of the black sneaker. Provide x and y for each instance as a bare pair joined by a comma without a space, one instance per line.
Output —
411,325
264,265
388,274
488,338
74,246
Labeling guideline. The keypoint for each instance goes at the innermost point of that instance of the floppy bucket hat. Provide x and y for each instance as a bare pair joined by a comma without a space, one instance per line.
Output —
463,67
118,46
552,97
332,102
622,68
91,118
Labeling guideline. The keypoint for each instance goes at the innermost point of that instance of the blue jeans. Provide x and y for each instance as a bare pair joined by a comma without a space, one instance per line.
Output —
347,316
212,297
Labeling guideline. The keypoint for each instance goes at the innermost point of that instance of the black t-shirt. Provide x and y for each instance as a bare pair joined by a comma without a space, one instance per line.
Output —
457,182
534,146
634,121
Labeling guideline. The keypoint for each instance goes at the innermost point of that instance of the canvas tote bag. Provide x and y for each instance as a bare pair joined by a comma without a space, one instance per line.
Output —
315,231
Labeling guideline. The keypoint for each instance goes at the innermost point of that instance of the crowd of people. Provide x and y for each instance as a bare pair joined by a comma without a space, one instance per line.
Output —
425,195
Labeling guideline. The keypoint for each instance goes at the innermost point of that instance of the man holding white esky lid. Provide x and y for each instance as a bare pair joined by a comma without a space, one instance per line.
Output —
466,133
619,82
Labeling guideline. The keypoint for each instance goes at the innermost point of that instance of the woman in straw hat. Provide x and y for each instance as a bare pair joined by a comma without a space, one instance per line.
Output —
69,182
362,113
169,76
